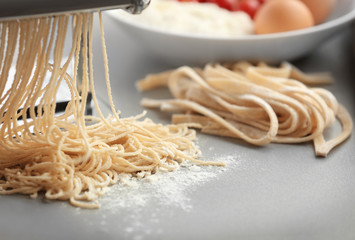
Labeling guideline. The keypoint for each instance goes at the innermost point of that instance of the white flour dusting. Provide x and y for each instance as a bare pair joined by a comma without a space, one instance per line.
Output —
148,198
168,188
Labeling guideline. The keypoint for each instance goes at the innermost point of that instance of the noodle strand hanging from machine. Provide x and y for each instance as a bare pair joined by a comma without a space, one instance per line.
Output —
59,154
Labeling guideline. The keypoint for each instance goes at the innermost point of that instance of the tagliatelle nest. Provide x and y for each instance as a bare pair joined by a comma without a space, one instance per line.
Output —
257,103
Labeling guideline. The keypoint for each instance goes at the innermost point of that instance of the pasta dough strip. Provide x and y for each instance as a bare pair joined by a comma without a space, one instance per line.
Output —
323,147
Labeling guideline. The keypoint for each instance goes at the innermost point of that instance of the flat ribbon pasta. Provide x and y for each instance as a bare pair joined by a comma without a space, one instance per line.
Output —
257,103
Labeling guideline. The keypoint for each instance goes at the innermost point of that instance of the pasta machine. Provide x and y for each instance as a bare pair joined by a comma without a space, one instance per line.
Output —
17,9
26,8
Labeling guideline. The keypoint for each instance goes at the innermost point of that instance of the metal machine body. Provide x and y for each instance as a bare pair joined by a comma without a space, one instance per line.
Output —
33,8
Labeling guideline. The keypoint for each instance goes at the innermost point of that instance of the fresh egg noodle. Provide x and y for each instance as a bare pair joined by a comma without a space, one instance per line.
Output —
255,102
61,155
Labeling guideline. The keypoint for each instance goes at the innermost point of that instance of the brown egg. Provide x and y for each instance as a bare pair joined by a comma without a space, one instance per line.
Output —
320,9
281,16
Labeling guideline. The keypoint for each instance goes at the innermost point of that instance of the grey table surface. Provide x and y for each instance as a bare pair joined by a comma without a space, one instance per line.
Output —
275,192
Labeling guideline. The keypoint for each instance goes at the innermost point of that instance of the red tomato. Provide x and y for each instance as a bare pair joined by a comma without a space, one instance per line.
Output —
249,6
231,5
188,0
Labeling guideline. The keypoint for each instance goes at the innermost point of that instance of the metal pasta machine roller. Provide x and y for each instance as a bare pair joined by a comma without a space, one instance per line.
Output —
27,8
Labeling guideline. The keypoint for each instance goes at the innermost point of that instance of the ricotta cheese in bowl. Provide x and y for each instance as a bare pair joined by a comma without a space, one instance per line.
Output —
182,33
193,18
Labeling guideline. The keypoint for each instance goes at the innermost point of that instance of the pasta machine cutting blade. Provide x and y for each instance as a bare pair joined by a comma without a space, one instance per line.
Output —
29,8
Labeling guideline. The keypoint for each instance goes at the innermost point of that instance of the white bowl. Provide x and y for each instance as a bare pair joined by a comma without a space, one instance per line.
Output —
181,49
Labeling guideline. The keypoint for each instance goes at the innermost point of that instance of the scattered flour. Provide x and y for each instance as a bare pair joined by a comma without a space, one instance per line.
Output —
166,188
141,202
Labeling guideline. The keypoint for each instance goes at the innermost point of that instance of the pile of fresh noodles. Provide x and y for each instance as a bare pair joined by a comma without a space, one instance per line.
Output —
257,103
61,155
